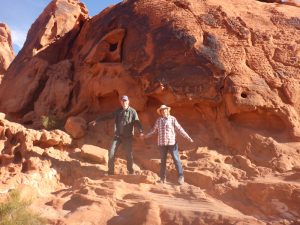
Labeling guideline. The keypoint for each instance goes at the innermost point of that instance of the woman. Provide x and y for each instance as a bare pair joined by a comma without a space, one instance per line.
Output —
165,126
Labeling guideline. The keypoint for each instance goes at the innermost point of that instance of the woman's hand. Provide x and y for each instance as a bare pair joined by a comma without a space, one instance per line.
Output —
142,136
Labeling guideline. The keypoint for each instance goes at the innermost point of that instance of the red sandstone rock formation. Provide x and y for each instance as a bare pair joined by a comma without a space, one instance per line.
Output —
69,186
76,127
229,70
6,50
45,53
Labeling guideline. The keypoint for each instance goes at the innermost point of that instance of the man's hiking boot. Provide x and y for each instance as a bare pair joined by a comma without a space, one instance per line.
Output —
109,173
162,181
181,180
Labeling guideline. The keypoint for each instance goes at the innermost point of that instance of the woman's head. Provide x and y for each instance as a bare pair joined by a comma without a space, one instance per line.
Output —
163,110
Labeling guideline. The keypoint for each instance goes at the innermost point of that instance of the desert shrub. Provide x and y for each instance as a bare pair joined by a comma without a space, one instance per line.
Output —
51,122
16,212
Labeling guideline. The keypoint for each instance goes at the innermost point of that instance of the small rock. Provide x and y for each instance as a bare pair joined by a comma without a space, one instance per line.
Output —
94,153
76,126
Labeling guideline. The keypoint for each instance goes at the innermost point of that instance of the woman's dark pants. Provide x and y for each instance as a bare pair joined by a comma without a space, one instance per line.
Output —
173,149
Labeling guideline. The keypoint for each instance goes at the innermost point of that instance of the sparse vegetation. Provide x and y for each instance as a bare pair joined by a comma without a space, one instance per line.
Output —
51,122
16,212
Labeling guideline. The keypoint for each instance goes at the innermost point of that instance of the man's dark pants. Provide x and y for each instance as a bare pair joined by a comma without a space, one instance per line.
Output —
127,145
173,149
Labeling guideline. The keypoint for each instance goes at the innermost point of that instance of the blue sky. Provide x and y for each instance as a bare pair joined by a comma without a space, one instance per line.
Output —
20,14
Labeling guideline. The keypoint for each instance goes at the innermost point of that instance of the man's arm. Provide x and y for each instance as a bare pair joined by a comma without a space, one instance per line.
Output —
181,131
137,122
103,117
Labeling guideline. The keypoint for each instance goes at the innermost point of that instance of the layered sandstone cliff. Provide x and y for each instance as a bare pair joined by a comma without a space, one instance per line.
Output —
6,50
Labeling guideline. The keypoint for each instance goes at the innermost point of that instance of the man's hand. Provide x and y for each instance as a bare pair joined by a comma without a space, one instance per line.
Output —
92,123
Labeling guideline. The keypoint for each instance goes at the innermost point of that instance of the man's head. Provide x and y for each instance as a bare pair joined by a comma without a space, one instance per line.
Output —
124,100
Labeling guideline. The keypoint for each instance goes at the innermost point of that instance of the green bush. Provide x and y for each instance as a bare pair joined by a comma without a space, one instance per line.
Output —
51,122
15,212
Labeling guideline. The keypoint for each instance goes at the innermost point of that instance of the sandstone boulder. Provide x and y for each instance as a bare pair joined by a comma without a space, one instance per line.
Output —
76,127
94,154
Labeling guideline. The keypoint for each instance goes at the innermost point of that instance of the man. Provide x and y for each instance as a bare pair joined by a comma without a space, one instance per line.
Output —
125,119
166,126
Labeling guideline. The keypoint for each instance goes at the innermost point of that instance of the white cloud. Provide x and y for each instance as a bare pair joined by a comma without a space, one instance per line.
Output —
18,37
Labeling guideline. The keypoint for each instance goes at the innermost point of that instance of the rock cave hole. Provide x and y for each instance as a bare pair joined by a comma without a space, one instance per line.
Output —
24,167
113,47
17,157
183,157
244,95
